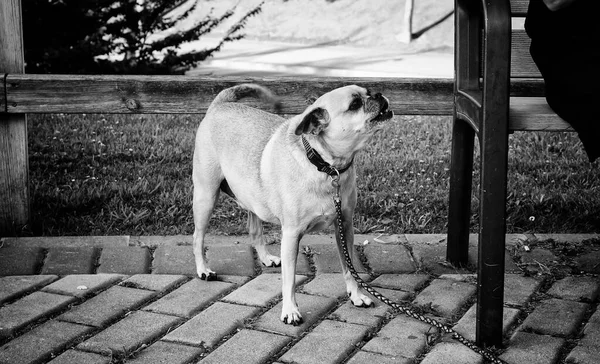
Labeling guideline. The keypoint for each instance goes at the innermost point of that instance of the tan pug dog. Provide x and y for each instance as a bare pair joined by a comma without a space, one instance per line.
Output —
259,159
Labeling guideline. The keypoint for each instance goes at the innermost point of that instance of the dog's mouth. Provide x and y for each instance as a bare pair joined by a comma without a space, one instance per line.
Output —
384,111
383,116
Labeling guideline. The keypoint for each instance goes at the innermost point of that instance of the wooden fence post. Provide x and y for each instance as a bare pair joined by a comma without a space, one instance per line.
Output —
14,169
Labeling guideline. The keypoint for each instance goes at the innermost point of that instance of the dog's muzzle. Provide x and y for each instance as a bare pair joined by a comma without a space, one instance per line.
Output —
383,107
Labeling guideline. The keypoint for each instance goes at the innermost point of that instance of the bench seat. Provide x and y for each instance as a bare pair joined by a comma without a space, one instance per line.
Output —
534,114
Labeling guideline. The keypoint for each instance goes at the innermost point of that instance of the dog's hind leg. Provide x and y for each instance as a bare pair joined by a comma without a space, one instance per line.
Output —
205,177
255,230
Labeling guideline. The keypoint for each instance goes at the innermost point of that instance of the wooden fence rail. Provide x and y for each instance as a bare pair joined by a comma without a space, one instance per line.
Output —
181,94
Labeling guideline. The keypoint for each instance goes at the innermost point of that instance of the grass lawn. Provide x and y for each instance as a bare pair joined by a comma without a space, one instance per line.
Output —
116,174
110,174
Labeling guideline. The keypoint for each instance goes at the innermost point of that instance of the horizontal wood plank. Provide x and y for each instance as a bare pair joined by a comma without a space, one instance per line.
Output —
184,94
534,114
519,7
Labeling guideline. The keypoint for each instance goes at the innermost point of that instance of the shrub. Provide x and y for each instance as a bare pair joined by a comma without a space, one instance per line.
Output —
118,37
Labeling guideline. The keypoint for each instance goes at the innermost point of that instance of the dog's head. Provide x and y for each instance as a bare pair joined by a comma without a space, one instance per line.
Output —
345,118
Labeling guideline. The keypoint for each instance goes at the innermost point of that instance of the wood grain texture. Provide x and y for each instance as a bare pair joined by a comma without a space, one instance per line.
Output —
14,169
519,7
521,63
184,94
534,114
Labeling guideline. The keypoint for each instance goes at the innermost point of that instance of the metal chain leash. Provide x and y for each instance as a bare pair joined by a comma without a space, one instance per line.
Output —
402,309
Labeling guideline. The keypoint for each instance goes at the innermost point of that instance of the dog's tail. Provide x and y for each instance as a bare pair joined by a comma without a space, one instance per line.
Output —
241,91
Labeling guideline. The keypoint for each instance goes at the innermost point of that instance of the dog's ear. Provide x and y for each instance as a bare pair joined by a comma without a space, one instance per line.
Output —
313,122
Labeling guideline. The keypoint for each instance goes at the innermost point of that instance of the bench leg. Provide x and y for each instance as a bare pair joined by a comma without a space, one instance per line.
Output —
459,206
492,236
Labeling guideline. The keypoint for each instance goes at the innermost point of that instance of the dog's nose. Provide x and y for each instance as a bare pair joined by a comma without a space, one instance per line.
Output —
381,100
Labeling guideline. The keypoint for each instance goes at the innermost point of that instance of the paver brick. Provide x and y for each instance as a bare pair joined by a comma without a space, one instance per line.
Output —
556,317
429,252
401,337
571,238
17,315
404,282
572,288
394,295
518,289
125,260
446,297
589,262
70,260
190,298
329,343
12,287
249,347
260,291
237,280
41,342
537,259
302,262
312,308
235,260
452,353
389,258
80,357
588,349
371,316
154,282
582,354
329,285
66,241
212,324
591,331
20,261
82,285
526,348
173,259
363,357
466,326
327,259
166,353
108,306
132,332
463,277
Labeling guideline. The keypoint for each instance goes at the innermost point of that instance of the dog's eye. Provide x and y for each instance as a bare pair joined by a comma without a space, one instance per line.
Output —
356,104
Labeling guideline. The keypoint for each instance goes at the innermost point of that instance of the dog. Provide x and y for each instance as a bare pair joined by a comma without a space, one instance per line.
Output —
260,159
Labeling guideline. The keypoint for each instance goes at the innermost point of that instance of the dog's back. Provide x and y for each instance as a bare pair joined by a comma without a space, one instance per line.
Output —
244,90
235,134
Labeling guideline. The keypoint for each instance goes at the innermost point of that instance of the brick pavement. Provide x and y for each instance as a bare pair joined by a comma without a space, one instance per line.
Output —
136,300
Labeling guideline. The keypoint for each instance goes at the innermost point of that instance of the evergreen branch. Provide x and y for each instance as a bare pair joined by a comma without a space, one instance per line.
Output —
174,40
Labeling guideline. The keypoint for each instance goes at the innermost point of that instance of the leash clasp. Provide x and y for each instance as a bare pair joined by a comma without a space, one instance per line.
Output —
335,182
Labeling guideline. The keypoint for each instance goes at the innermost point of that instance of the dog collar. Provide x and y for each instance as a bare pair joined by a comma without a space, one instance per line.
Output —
315,158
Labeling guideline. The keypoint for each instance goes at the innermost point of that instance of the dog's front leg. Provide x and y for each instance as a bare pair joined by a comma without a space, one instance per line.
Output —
355,293
290,314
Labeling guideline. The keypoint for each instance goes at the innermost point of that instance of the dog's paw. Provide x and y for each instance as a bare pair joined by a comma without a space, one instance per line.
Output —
207,275
360,300
271,261
212,276
293,318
